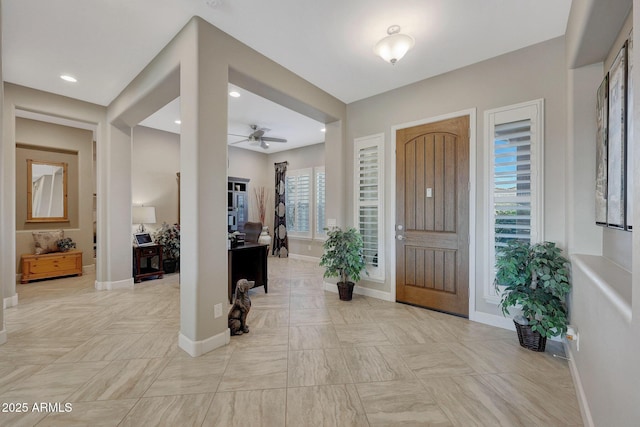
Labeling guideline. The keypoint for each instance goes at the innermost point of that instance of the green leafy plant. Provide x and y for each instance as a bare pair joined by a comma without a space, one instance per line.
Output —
343,255
536,278
169,237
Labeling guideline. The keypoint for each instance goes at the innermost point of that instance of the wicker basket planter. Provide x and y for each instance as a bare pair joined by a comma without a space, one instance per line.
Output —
531,340
345,290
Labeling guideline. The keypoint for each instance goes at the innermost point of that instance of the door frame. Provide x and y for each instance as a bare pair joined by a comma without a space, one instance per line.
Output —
391,230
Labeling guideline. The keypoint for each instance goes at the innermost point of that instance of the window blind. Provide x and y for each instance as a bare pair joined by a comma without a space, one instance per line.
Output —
298,201
512,182
320,202
368,200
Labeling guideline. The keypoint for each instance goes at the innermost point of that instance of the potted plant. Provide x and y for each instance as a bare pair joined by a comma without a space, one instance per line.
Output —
169,237
535,278
343,258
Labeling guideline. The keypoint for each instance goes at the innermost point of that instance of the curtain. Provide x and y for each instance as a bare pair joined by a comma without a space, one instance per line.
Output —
280,242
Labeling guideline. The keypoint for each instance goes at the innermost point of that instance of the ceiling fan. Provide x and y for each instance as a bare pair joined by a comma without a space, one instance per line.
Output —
257,137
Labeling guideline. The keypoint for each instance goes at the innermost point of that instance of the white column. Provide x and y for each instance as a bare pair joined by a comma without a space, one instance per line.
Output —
114,255
203,201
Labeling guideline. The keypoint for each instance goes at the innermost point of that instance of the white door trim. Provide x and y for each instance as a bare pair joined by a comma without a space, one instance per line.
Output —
471,112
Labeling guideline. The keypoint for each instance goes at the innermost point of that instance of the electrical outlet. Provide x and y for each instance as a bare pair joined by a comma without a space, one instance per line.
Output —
217,310
573,336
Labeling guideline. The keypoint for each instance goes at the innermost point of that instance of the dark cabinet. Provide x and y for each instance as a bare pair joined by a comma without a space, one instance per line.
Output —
237,203
147,262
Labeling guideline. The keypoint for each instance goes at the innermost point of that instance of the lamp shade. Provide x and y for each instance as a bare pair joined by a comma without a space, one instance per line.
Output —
393,47
144,215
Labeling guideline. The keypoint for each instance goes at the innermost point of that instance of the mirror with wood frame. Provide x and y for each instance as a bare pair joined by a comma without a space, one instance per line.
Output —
46,191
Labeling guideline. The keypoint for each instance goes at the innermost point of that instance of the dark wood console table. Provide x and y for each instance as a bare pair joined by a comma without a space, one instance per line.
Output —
146,269
248,261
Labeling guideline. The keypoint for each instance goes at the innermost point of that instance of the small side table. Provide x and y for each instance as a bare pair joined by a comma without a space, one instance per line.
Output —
143,262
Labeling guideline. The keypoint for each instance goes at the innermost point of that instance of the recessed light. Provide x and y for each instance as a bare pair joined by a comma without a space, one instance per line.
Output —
178,122
68,78
323,130
234,94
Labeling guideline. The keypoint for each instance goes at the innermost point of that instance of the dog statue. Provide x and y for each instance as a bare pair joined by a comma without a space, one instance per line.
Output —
240,309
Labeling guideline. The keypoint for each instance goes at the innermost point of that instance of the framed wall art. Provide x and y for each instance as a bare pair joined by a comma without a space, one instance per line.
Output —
616,141
629,181
602,110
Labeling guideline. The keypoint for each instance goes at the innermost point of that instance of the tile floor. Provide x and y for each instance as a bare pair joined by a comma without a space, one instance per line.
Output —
309,360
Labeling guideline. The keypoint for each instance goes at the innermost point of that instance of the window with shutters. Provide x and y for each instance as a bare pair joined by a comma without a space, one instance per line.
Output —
369,190
320,216
298,201
514,143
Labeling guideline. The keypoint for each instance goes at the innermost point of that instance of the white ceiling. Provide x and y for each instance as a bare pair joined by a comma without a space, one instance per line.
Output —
251,109
106,43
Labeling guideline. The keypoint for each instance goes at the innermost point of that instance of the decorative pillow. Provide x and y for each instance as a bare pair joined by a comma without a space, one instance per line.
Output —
47,241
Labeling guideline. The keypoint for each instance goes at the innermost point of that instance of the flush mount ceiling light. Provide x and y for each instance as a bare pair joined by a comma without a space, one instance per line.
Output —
68,78
393,47
234,94
178,122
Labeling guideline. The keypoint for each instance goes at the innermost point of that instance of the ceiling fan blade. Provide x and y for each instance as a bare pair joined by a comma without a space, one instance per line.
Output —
258,133
238,142
270,139
235,134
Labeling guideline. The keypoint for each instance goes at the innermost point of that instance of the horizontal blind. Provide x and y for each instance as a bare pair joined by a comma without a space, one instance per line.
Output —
512,182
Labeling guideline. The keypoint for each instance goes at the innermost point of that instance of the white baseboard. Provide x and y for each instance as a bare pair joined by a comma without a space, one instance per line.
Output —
585,411
492,320
304,257
120,284
499,322
88,269
3,336
198,348
11,301
360,290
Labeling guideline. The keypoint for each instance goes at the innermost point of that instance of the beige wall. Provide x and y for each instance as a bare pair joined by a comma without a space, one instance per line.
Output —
46,141
524,75
155,160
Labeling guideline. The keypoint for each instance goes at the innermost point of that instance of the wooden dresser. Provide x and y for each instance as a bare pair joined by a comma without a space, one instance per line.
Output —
50,265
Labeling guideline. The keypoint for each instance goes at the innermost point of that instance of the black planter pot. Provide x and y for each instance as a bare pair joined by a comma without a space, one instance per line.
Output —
531,340
169,265
345,290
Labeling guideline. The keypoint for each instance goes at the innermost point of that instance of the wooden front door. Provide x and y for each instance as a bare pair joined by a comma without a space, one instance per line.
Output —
432,214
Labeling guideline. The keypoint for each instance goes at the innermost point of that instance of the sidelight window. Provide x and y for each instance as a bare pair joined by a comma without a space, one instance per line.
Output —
369,189
514,141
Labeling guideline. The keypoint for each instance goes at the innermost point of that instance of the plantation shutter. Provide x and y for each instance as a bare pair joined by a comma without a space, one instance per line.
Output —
320,202
512,182
368,202
298,202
